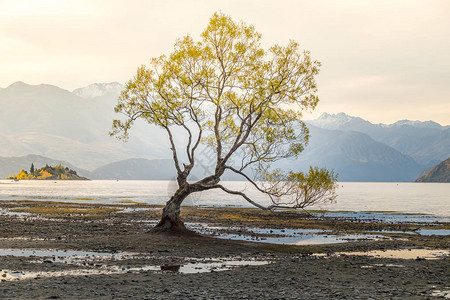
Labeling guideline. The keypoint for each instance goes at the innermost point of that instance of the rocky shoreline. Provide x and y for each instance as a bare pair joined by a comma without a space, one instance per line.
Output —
139,265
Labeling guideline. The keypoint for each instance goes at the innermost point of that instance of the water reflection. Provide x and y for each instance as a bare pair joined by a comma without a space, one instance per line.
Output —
280,236
417,254
66,256
214,265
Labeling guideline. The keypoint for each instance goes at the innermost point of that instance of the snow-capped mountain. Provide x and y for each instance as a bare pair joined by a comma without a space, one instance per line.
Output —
342,121
355,156
418,124
99,90
427,142
332,120
53,122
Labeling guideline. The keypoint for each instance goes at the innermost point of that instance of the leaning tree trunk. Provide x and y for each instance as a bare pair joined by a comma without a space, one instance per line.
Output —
170,219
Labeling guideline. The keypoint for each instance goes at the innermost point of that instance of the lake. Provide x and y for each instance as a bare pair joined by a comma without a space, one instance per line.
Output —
430,198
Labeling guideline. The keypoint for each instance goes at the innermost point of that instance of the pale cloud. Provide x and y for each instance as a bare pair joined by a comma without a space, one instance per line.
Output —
382,60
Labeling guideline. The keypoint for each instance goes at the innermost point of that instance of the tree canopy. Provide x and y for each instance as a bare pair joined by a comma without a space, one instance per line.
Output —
245,103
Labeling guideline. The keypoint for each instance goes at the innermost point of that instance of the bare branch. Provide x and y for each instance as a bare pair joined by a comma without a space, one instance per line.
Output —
242,195
174,150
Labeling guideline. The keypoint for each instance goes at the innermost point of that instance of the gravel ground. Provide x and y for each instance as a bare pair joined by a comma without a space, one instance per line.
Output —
291,272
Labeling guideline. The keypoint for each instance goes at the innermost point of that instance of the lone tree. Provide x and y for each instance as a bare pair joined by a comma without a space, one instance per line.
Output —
227,93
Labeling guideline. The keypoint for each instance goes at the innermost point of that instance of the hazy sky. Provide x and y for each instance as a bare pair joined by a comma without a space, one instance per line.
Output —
382,60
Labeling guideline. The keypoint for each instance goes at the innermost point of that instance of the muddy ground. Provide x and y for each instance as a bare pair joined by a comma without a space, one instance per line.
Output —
291,272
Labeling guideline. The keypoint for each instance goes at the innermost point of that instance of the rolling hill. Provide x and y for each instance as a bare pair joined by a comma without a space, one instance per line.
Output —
440,173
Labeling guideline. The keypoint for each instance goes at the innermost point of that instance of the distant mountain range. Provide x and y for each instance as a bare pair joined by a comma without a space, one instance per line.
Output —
96,90
49,121
355,156
428,143
137,169
72,127
130,169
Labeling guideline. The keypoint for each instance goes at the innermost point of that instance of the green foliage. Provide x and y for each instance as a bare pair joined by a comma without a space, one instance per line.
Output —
227,93
300,190
317,186
230,87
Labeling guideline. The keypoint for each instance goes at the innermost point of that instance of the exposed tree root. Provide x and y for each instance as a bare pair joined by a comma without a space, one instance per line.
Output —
172,227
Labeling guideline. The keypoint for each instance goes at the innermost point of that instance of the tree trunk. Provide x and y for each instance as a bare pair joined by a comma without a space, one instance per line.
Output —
170,219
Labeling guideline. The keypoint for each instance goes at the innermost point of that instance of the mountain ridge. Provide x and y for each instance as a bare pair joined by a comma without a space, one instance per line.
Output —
137,169
427,142
99,90
332,121
54,122
355,156
57,123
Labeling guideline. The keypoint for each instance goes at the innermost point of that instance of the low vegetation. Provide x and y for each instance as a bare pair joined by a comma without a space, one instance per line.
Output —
67,211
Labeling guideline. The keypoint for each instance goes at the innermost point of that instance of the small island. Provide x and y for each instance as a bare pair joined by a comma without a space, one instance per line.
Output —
47,173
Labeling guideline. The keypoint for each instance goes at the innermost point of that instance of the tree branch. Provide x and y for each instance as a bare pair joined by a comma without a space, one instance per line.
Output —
242,195
174,150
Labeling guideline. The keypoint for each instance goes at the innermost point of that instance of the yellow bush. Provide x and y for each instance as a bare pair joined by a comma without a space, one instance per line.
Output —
44,174
22,174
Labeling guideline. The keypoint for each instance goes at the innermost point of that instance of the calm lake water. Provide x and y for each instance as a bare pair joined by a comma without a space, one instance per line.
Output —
430,198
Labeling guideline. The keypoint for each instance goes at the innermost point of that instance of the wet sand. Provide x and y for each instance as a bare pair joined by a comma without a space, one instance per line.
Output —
283,271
